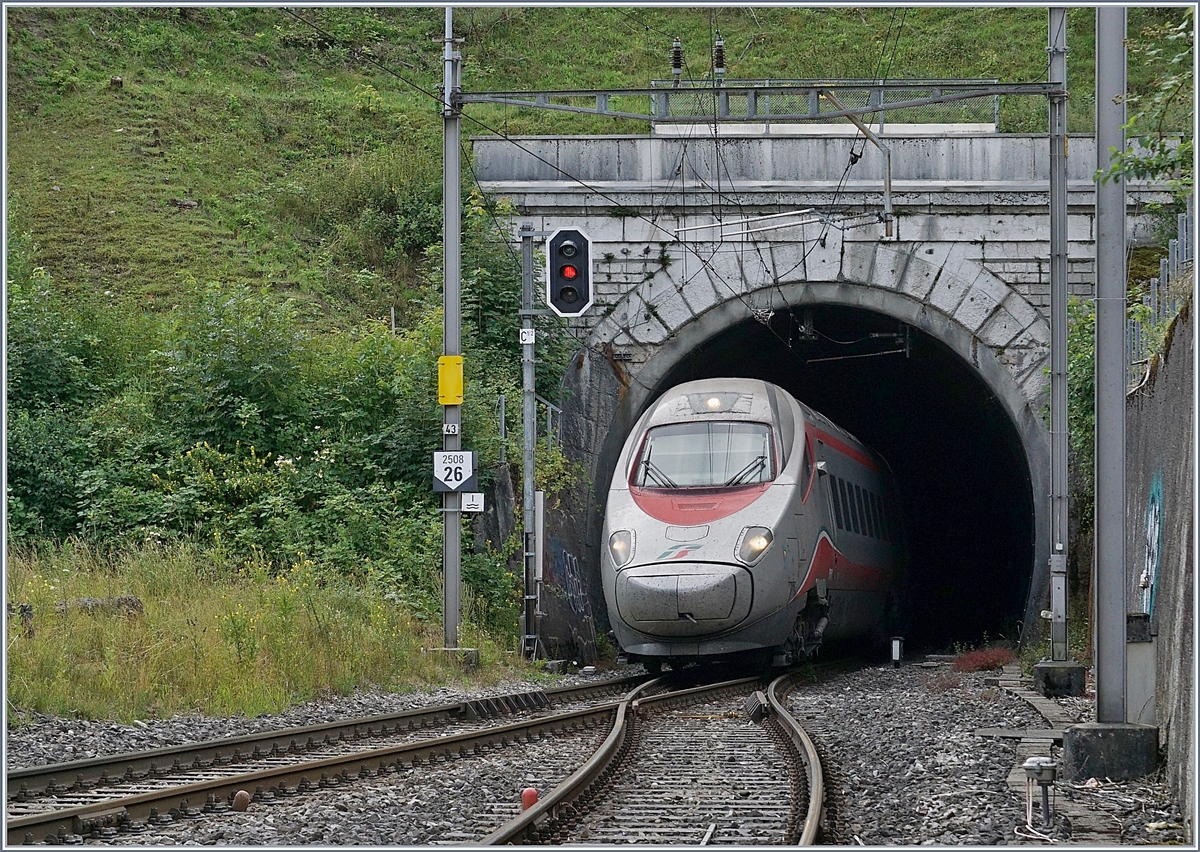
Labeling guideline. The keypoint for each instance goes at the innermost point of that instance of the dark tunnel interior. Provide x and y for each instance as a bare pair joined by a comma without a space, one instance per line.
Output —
958,459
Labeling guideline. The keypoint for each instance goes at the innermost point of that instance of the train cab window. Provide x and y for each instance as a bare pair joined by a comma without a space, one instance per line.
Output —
848,505
705,454
836,501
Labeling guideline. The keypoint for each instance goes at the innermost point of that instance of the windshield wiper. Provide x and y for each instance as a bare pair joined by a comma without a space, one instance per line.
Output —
755,466
649,469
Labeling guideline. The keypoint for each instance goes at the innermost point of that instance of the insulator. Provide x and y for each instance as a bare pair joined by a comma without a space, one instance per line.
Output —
719,56
677,57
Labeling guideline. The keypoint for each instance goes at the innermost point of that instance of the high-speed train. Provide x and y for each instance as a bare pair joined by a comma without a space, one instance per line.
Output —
740,520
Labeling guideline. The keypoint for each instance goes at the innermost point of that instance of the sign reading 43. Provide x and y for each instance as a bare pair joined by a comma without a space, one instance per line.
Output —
454,471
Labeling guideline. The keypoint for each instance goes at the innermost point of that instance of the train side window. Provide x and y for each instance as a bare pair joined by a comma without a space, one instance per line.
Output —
847,502
837,503
875,516
879,519
862,513
872,521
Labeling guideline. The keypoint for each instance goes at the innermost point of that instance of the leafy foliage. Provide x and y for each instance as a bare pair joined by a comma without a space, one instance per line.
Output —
230,369
246,434
1159,120
1081,403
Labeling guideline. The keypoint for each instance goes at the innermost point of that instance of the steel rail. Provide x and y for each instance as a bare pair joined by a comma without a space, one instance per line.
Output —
152,763
776,695
520,829
289,780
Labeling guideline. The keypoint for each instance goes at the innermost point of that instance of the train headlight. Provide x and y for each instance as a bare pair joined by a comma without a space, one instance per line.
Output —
753,543
620,547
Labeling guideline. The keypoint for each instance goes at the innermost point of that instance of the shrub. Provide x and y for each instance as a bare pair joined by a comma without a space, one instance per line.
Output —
46,455
232,368
983,659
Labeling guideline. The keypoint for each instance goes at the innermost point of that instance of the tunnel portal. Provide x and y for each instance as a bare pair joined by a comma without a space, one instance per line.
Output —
958,459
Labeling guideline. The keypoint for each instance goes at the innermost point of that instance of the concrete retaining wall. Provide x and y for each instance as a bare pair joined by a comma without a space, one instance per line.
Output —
1005,161
1159,528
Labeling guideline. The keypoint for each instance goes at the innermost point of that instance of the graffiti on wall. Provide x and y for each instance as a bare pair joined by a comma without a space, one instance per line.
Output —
1154,535
569,572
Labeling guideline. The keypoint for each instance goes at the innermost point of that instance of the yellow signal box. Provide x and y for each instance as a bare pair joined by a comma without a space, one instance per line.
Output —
450,380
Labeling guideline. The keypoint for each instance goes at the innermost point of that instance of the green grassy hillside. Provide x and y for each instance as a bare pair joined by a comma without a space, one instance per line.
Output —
310,158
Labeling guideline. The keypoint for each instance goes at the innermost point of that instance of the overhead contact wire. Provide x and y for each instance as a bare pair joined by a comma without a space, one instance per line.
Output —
438,99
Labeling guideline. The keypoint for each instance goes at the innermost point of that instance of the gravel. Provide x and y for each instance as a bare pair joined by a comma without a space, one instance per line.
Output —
901,745
911,771
36,739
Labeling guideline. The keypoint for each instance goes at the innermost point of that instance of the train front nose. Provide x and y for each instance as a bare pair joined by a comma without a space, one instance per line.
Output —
689,599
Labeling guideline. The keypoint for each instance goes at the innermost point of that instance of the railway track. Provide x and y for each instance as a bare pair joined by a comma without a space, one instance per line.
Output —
686,767
676,736
104,796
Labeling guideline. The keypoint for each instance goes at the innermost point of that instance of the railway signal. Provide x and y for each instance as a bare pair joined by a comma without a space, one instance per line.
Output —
569,272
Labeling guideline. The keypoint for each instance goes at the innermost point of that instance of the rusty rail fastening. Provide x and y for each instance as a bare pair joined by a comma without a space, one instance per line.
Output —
565,804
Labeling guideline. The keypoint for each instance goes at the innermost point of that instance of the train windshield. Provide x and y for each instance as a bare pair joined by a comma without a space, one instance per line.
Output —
705,454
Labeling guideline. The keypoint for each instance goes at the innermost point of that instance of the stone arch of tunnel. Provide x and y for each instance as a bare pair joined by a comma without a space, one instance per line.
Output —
969,452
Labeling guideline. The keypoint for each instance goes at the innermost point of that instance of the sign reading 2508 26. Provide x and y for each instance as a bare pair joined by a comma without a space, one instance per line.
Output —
454,471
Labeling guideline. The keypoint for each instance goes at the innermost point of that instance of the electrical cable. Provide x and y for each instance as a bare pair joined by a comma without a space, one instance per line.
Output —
566,327
713,273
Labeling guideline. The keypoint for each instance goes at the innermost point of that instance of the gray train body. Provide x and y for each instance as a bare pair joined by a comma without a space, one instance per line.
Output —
740,520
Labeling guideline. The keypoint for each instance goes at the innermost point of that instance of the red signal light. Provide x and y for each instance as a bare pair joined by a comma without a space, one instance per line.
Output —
569,272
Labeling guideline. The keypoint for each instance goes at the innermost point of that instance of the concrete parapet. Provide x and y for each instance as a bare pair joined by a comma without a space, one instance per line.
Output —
1116,751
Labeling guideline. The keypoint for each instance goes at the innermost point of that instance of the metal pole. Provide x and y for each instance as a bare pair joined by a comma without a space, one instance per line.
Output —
1110,370
503,414
451,326
1058,337
529,434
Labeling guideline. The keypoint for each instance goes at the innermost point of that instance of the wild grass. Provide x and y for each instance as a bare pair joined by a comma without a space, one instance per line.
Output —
237,107
210,639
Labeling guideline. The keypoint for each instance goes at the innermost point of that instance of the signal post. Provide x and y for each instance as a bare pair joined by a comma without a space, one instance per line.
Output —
569,294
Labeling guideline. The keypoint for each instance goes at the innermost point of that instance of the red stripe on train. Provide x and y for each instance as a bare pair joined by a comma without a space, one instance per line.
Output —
828,561
841,446
672,507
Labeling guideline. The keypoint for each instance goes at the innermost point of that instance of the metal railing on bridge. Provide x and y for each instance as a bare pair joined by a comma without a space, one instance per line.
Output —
788,101
1164,295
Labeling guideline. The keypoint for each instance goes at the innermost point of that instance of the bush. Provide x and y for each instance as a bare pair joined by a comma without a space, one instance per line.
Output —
229,427
983,659
47,454
231,370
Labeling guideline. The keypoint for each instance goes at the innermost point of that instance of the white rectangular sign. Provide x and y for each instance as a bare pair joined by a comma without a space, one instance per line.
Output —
472,501
453,471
